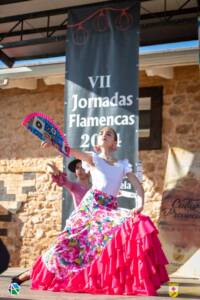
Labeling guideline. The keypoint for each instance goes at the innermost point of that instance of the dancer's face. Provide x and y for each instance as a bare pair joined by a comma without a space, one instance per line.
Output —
80,172
107,138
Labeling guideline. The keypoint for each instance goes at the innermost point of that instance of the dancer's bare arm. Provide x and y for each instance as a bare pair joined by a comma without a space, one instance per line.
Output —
74,152
139,189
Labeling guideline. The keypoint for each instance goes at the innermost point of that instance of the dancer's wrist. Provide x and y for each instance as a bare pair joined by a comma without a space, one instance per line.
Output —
68,151
139,209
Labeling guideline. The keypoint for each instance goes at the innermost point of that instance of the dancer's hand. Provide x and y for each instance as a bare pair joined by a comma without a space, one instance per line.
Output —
135,211
53,170
46,144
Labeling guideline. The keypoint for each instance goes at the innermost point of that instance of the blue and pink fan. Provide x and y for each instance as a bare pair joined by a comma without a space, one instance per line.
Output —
46,130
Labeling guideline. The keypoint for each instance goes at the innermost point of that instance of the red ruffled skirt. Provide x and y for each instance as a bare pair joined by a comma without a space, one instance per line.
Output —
131,263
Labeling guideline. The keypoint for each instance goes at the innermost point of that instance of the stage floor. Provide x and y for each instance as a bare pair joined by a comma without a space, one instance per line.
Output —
189,290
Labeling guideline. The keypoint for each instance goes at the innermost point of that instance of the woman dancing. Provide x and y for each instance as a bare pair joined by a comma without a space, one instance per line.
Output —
104,249
77,189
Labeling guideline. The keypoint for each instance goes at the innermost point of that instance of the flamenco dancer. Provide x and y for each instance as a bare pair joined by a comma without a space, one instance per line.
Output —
77,189
104,249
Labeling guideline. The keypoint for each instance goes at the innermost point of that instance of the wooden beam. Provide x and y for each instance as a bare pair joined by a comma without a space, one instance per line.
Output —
6,2
49,29
31,42
6,59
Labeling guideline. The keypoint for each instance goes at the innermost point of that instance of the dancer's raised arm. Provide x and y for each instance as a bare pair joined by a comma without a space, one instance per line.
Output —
81,155
73,152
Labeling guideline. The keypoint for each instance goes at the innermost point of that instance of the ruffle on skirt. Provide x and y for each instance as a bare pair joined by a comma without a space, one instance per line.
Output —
132,263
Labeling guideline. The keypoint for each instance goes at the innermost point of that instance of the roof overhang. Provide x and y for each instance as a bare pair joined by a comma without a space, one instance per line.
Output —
32,29
159,63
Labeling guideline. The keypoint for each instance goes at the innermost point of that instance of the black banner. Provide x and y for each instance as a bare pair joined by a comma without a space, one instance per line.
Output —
102,80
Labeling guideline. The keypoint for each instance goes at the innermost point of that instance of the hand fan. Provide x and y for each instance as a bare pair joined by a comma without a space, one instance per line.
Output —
46,130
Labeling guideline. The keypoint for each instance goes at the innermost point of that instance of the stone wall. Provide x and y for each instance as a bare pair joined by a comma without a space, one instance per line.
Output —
30,206
181,128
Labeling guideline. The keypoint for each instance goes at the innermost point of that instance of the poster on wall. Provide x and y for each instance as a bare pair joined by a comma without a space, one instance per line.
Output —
179,223
102,80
